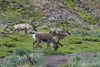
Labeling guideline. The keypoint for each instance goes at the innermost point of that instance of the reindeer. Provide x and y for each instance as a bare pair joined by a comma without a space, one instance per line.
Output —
44,37
25,27
60,33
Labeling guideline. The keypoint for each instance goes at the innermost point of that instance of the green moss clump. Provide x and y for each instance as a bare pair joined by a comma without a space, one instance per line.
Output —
69,2
87,17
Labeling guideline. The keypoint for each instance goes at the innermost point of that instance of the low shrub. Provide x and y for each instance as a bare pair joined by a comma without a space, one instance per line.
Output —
96,33
22,57
83,32
79,61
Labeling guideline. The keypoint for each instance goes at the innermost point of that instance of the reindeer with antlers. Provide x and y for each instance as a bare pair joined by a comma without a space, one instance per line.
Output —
60,33
44,37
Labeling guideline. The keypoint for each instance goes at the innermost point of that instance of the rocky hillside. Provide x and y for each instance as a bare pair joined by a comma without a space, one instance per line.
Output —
85,12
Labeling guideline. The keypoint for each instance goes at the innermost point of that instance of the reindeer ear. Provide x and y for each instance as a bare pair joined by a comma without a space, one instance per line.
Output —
31,23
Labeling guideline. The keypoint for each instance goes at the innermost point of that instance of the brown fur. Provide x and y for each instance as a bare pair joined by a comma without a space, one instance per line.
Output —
45,37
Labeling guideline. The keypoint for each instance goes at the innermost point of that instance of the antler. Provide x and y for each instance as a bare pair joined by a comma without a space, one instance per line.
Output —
33,25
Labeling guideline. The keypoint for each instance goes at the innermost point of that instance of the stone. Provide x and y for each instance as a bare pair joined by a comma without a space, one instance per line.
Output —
36,9
8,21
2,14
14,5
17,22
44,18
9,27
49,23
65,3
3,21
52,18
19,14
6,26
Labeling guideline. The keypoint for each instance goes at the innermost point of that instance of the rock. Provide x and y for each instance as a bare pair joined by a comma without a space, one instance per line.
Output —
19,14
65,3
17,22
49,23
75,1
36,9
14,5
52,18
2,32
9,27
7,0
45,7
44,18
6,26
9,21
2,14
3,21
20,9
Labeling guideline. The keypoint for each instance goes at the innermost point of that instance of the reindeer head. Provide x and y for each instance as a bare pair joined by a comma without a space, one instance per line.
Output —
33,27
68,33
56,47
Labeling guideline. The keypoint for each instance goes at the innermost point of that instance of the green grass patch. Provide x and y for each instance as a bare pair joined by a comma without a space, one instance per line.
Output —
74,43
69,2
89,18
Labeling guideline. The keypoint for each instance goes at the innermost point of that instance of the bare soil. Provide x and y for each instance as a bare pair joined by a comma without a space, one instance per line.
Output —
56,60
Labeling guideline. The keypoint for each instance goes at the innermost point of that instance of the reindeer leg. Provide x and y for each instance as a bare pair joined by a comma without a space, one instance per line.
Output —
37,45
47,47
34,43
26,33
59,43
18,32
14,31
58,40
64,39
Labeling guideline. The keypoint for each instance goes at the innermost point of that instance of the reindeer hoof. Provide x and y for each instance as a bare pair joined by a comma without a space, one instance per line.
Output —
47,51
50,50
33,50
62,45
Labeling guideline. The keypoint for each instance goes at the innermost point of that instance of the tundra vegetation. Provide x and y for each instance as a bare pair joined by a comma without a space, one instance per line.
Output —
24,58
84,37
79,61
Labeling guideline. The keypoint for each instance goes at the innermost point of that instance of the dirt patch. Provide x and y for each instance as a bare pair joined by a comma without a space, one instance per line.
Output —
56,60
1,59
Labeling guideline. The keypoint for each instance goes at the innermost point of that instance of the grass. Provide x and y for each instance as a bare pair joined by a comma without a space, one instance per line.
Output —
74,43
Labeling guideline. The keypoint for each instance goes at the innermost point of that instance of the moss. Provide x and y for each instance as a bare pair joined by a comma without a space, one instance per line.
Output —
88,18
69,2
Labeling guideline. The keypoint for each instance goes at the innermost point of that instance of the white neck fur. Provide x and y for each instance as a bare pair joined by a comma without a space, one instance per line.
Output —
33,36
51,44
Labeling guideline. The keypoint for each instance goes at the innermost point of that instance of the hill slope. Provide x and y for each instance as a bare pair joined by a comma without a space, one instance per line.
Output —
73,15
